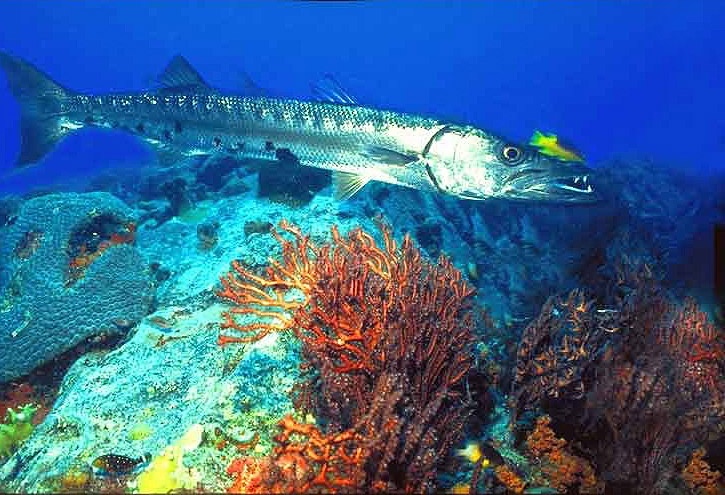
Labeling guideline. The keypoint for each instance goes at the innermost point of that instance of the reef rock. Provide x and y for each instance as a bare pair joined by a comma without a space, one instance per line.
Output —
68,272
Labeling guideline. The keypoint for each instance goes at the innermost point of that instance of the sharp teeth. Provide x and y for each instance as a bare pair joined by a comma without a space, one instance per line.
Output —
589,188
585,179
576,179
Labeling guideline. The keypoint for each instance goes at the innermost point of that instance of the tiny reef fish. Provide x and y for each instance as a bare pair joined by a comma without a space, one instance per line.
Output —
117,465
186,117
552,145
476,451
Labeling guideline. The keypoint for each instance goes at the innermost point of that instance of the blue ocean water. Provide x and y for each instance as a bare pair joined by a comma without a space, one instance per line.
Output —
152,338
615,78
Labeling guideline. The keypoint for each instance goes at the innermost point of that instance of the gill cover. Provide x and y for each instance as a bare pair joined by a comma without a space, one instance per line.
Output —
440,153
458,161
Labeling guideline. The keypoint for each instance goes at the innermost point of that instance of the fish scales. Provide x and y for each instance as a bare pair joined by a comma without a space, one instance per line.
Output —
358,144
315,132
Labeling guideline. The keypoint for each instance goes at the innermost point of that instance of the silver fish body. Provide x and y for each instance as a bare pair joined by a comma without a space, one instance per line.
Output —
344,138
357,143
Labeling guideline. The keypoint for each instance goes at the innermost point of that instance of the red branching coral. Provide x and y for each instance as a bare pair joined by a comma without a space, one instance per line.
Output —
269,299
555,349
563,470
510,479
389,334
699,476
637,381
247,474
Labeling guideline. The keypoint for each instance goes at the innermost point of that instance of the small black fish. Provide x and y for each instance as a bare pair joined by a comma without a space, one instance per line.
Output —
118,465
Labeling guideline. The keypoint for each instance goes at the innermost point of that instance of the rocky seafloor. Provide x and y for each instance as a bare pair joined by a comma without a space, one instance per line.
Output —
110,318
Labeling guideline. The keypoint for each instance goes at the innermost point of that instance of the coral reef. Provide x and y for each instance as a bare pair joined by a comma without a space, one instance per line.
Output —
177,193
700,478
630,380
17,427
388,335
509,479
561,469
632,376
66,278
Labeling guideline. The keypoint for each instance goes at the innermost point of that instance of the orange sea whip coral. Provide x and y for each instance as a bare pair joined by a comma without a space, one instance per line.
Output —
390,335
349,293
265,297
563,470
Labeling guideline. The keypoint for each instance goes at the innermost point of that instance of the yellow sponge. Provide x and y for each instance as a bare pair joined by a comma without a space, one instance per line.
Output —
167,472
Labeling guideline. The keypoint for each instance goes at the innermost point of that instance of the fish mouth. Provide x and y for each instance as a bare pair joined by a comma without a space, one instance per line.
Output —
573,186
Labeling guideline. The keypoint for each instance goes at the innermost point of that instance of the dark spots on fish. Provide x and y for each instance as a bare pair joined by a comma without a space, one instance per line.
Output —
268,146
89,120
167,135
140,128
278,115
177,127
217,142
285,155
236,148
340,121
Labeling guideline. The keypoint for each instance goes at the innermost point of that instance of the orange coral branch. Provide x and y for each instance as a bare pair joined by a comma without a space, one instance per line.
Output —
562,469
363,312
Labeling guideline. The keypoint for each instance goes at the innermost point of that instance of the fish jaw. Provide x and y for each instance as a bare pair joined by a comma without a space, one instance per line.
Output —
551,180
470,163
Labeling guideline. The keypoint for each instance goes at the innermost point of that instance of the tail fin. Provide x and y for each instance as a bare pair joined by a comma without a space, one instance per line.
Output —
40,100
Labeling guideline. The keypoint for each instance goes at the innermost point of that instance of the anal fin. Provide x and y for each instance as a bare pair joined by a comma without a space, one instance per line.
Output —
345,185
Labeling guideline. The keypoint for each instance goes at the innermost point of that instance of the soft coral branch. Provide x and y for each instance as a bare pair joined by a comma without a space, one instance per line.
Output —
638,382
390,334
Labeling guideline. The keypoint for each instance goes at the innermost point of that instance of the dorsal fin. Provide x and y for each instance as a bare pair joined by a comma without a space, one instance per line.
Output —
251,88
329,90
179,74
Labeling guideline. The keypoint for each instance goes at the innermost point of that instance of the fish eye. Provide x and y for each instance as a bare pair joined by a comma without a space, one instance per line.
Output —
512,155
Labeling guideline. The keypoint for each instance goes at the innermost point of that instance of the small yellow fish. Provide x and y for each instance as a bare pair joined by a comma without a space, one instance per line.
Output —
477,451
472,452
551,145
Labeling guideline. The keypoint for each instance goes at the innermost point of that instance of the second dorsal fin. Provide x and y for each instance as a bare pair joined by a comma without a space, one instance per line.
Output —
329,90
179,74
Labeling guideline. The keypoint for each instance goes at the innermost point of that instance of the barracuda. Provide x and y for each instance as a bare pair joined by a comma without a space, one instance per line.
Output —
186,116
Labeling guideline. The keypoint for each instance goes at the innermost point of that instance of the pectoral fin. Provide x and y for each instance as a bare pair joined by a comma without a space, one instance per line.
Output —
345,185
386,156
